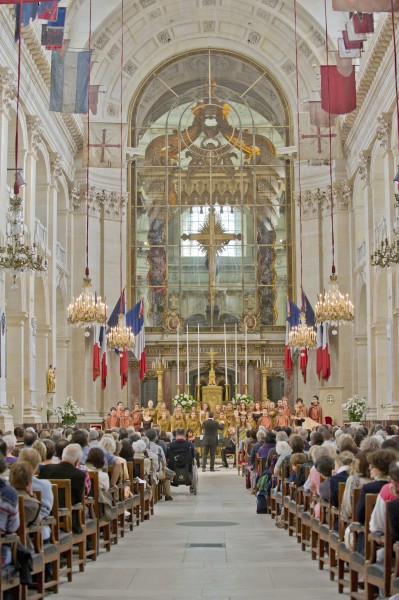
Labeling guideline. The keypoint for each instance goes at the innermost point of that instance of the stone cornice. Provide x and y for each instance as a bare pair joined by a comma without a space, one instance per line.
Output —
99,199
319,199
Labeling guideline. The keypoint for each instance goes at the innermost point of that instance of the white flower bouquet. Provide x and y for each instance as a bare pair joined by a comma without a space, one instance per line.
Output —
67,414
185,400
242,398
356,408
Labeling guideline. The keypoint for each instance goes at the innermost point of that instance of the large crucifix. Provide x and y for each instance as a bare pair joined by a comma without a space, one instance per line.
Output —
319,137
103,145
212,238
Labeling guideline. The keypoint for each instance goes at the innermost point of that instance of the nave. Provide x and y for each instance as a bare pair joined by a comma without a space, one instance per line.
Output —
155,563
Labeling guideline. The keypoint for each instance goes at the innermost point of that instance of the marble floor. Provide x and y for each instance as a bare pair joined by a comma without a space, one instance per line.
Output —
248,556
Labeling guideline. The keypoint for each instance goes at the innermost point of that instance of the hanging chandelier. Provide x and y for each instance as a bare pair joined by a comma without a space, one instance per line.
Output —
87,309
302,335
387,253
121,337
332,307
17,255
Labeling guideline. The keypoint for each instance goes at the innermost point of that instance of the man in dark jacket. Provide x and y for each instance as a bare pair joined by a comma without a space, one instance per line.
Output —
210,428
67,469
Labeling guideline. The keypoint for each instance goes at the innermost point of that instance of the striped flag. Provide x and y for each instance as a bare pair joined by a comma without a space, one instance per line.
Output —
293,318
104,363
319,351
326,360
70,81
48,10
96,352
135,320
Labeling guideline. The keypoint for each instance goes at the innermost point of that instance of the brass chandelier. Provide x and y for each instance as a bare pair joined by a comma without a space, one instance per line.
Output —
302,335
17,255
87,309
120,337
332,307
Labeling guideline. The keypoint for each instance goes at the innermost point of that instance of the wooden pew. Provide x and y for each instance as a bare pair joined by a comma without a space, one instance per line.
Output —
31,537
144,492
9,579
357,559
336,535
51,553
343,554
378,574
62,537
105,527
136,505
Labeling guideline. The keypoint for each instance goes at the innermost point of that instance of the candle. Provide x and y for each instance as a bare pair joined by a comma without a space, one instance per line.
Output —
178,357
246,354
225,355
188,359
198,358
235,354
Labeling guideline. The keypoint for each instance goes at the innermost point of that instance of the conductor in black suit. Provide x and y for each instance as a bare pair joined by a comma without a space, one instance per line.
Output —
210,429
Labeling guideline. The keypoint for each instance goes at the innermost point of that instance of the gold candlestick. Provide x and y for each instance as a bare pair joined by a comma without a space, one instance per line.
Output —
178,389
264,384
245,388
188,388
160,372
235,390
198,394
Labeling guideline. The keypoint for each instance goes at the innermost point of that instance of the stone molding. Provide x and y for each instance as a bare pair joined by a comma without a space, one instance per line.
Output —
319,199
99,199
383,132
8,89
56,166
364,166
34,126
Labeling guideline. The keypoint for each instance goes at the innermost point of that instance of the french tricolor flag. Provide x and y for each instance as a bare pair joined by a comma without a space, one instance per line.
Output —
135,320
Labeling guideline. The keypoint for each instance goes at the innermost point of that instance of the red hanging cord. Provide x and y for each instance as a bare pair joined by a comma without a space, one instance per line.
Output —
121,155
299,145
330,140
88,146
19,25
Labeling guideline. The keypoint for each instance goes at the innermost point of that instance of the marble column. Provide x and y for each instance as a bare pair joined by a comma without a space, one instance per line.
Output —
7,93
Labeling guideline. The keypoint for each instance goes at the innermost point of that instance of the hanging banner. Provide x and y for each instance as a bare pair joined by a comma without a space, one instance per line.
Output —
346,53
315,140
356,45
69,81
363,23
105,145
344,65
338,93
318,116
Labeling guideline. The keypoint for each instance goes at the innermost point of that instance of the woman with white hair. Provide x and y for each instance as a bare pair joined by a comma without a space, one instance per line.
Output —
139,449
11,442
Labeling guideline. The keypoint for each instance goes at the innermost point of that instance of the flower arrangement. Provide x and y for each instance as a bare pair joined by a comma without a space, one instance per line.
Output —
185,400
67,414
242,398
356,408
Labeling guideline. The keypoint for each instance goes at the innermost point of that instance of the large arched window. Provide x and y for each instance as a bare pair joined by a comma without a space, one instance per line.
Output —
211,216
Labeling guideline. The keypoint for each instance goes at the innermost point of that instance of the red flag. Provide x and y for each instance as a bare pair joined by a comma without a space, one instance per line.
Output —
344,65
319,351
303,362
326,361
287,354
352,35
96,354
338,93
104,365
355,45
48,10
123,367
367,6
363,23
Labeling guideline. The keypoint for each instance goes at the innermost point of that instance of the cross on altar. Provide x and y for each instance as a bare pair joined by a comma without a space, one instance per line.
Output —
103,145
212,239
318,136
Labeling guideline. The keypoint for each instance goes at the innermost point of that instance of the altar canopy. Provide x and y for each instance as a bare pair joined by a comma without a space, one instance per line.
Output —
212,218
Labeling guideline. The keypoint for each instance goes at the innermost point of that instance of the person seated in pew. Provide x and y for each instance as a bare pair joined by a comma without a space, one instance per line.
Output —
269,443
96,462
9,512
139,449
31,456
21,475
50,452
68,468
388,493
379,463
359,475
260,437
161,463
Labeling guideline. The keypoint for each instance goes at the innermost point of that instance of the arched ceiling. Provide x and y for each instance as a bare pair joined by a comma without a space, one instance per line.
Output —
159,30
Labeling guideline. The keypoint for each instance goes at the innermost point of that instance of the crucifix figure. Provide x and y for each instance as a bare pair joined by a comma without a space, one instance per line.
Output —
212,239
212,376
319,137
103,145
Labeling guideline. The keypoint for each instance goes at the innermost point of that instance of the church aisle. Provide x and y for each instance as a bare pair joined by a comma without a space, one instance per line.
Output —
155,561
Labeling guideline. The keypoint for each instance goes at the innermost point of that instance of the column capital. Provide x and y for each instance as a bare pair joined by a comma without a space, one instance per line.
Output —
8,90
34,126
56,167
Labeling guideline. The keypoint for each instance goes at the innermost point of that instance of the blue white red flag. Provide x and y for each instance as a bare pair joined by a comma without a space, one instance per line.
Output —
135,320
70,81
